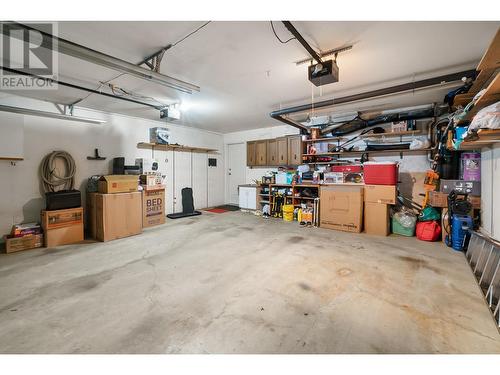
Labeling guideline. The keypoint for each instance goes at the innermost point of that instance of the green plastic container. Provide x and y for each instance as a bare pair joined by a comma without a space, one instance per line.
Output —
397,228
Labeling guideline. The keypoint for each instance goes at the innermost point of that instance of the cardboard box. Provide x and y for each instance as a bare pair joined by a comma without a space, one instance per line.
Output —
341,207
439,199
377,219
151,180
380,194
117,184
159,135
153,207
118,215
32,241
333,177
62,227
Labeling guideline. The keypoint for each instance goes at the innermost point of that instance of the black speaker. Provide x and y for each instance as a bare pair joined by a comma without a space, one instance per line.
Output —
119,165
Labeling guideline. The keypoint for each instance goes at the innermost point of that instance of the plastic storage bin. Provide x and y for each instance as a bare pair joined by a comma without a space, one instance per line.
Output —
380,173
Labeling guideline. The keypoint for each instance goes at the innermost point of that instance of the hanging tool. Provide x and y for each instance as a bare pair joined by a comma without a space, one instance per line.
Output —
96,156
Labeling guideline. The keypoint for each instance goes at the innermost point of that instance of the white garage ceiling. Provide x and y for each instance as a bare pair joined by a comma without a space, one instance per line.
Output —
244,72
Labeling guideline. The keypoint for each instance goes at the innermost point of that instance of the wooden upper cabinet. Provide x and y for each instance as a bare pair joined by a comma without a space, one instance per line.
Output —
282,146
272,152
261,152
294,150
251,153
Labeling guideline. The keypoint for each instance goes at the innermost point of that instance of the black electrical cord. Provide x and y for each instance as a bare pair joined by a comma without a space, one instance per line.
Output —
277,37
157,62
191,33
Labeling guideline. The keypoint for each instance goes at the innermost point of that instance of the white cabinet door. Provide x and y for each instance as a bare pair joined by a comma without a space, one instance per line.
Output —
182,176
252,198
199,170
169,181
242,197
248,197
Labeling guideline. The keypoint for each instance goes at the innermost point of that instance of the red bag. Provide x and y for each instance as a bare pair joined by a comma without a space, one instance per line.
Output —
428,230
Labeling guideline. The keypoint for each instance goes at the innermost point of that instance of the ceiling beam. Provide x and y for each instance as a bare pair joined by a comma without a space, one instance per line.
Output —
302,41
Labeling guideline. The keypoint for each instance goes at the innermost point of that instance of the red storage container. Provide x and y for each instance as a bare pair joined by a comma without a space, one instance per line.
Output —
348,168
381,173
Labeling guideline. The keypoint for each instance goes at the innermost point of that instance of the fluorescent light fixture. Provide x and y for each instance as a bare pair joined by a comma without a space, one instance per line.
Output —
34,112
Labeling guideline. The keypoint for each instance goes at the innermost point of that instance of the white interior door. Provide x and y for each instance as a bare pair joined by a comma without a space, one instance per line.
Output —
182,176
236,164
169,189
200,169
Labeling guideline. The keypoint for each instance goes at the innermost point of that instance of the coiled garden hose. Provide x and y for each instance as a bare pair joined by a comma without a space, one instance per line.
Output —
50,179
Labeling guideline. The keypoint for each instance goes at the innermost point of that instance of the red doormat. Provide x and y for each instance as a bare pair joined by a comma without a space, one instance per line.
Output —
217,210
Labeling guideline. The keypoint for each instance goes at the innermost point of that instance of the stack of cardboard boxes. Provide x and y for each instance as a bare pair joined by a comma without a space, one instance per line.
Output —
377,199
115,211
342,207
119,210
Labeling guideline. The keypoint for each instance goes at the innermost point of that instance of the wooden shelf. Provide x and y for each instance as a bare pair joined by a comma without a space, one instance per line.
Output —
296,185
391,134
490,96
326,139
404,151
486,138
487,67
159,147
11,158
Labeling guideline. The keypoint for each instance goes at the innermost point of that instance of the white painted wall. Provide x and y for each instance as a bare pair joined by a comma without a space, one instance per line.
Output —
490,191
21,198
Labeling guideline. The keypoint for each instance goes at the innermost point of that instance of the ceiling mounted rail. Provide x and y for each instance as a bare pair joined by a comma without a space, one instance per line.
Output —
330,52
283,114
87,54
73,86
302,41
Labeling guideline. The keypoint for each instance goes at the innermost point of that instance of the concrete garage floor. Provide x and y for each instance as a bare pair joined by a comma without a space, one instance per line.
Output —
236,283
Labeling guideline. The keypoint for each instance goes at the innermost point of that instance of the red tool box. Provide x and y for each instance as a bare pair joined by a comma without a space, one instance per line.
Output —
354,168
